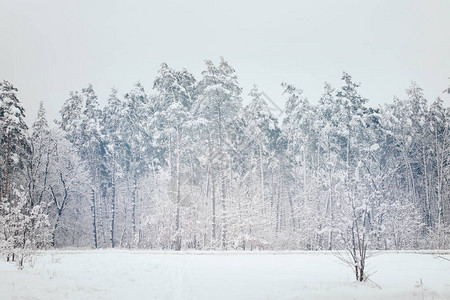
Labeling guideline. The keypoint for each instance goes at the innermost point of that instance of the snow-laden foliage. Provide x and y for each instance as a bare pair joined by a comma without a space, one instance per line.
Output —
24,224
188,166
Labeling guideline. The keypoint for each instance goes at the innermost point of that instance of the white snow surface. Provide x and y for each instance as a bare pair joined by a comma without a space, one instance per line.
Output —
128,274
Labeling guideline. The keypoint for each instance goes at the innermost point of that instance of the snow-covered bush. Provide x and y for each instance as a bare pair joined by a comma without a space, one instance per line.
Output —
24,230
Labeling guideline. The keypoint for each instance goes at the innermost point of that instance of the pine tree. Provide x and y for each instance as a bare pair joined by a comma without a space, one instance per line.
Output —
299,133
80,121
92,149
174,119
111,128
70,121
138,144
23,223
219,103
40,159
15,148
260,143
358,213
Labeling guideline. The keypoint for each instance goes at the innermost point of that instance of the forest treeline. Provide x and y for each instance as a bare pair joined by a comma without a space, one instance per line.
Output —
188,166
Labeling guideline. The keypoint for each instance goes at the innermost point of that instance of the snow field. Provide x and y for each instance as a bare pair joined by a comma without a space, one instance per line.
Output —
123,274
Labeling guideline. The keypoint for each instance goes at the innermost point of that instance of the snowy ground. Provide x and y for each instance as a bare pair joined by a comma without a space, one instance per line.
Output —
121,274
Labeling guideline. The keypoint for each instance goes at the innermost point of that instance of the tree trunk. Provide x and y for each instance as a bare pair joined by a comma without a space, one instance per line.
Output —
8,149
439,169
94,223
261,170
427,194
410,176
133,204
100,216
224,213
292,216
213,193
55,227
113,206
278,213
223,184
177,217
60,207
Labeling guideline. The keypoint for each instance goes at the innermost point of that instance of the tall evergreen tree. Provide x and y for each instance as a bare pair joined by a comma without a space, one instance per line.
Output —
40,159
174,119
114,150
138,144
219,103
15,148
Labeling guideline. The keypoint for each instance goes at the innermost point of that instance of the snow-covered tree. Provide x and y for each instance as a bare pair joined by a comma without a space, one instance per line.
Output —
68,186
80,122
137,142
175,122
114,150
219,103
23,222
190,167
39,162
15,148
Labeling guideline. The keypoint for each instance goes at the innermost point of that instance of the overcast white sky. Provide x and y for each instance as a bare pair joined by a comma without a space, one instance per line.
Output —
50,47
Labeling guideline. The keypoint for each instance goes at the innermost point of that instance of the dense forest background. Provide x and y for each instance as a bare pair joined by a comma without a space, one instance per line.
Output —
187,166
